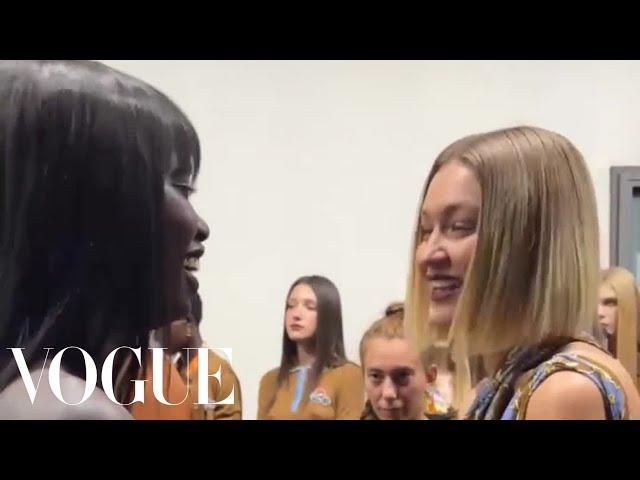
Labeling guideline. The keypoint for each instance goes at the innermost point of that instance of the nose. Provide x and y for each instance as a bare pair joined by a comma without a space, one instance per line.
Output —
600,313
295,313
389,391
202,232
433,253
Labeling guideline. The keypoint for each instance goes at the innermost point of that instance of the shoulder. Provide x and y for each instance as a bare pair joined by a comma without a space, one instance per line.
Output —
97,407
349,367
47,406
347,371
566,395
270,378
216,360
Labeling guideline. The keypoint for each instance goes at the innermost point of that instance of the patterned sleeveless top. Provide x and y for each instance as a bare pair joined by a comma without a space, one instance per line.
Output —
498,398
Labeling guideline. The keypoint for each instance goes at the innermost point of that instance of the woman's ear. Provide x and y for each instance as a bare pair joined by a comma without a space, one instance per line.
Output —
431,373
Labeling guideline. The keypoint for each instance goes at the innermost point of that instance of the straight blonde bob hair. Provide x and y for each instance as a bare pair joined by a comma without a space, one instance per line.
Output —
535,272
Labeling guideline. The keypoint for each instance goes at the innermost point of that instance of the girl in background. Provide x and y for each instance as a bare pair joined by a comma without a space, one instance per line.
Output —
400,384
315,380
619,314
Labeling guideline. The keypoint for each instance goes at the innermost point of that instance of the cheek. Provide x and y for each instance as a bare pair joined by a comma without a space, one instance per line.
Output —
413,394
312,322
372,391
609,314
419,387
421,257
462,254
181,223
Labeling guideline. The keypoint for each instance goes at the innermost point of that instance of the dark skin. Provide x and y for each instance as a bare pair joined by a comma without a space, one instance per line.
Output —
184,333
185,232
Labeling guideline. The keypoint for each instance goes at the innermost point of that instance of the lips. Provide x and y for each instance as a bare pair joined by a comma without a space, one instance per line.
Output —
443,287
191,265
390,413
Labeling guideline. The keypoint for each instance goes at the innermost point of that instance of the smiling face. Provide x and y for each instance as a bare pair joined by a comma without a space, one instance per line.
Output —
185,232
449,234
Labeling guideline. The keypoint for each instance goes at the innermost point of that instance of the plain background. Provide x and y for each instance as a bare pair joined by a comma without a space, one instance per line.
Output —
315,167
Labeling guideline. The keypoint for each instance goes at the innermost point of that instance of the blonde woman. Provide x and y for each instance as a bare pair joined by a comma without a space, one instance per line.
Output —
619,314
505,269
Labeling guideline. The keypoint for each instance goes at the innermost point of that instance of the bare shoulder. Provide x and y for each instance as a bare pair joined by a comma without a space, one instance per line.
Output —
566,395
617,370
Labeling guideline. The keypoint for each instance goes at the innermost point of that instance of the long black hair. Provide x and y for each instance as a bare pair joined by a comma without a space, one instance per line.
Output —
329,339
84,150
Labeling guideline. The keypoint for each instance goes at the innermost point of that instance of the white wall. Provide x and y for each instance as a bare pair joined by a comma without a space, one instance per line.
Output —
316,167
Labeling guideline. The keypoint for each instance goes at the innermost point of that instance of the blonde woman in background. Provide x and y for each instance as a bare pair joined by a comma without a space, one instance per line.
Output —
619,314
505,269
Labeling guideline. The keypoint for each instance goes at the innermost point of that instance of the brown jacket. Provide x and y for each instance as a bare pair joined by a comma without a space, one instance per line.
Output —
217,391
175,390
339,395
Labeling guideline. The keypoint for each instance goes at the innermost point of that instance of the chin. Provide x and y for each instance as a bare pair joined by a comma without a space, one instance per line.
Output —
389,416
181,309
440,318
296,337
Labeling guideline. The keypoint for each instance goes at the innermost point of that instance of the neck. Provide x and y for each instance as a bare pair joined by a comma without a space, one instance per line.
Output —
306,353
444,385
494,361
196,342
124,367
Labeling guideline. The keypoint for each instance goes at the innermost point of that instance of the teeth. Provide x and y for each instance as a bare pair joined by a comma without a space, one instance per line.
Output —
192,263
445,283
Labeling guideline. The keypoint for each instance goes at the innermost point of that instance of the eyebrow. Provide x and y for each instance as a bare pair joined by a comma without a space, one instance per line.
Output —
451,209
393,371
305,300
403,370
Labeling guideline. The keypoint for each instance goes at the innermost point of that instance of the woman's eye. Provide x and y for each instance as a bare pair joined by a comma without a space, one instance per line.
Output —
425,233
185,190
